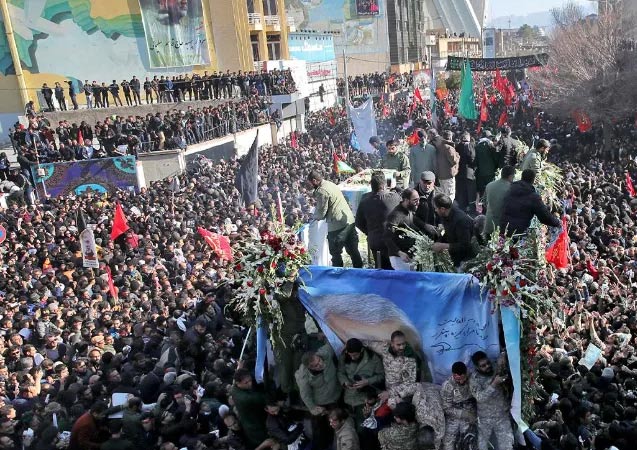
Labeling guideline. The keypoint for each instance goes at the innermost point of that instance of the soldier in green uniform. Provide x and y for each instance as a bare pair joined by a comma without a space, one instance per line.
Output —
398,161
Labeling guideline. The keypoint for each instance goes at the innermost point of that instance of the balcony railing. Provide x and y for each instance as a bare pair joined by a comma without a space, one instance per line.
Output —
272,21
291,22
254,19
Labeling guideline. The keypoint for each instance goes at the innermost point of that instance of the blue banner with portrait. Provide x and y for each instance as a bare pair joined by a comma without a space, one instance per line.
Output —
441,314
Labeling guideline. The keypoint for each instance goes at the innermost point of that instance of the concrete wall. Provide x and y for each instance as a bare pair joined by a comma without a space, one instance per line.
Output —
160,165
330,97
91,116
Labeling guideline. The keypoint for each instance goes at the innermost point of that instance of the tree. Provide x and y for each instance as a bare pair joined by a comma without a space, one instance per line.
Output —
453,81
592,68
527,32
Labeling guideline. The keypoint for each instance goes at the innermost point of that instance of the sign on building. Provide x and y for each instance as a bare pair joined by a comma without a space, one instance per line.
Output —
311,47
488,42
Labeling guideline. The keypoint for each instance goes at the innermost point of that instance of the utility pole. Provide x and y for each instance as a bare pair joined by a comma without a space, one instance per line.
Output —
346,85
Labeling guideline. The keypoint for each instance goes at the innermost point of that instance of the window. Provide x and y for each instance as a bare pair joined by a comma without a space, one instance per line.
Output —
250,6
254,40
270,8
274,50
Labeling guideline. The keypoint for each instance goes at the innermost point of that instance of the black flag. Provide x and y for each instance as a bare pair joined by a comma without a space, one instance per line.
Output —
246,181
80,221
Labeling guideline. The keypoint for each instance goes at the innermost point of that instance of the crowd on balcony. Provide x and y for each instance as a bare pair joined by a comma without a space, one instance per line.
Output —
42,142
374,83
165,89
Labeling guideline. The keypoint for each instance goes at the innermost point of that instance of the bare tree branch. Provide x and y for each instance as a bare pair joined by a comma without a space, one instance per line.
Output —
592,67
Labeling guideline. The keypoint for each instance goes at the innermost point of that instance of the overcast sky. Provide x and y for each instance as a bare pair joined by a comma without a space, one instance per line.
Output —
499,8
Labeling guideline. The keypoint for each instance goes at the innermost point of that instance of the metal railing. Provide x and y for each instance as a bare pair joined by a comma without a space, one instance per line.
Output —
254,19
273,21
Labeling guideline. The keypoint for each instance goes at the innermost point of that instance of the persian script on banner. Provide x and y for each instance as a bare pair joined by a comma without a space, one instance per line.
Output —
441,314
175,32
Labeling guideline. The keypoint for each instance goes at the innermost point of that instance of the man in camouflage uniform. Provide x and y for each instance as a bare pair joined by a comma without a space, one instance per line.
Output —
458,404
493,405
358,370
401,363
320,390
403,433
426,399
398,161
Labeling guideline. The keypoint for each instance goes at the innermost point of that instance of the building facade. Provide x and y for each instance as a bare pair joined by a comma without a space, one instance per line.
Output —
269,28
106,40
406,34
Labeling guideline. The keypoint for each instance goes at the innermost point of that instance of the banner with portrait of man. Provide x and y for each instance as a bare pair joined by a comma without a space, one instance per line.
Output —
441,314
175,32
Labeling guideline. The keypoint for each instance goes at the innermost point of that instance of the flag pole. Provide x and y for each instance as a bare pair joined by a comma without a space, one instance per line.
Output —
245,344
346,85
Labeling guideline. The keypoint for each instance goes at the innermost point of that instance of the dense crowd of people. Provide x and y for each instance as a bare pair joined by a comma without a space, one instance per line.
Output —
374,83
167,89
142,353
117,136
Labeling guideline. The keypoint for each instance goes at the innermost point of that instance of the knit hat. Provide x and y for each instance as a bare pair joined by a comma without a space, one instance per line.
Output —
169,378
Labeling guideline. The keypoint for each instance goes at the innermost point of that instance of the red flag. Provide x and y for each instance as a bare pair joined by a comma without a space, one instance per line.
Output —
538,123
386,111
447,108
335,160
294,142
218,243
629,185
484,110
504,117
442,93
498,81
558,253
479,126
414,139
120,225
111,285
80,138
584,123
417,95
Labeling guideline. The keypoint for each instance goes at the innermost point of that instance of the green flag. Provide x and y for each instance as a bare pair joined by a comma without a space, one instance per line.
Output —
467,103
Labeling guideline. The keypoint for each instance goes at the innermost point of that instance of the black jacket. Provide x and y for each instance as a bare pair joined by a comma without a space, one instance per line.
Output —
458,234
425,211
508,152
372,213
395,239
520,205
467,164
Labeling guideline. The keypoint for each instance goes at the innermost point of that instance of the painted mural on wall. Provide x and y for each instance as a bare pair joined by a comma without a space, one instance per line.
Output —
175,32
79,39
96,175
359,33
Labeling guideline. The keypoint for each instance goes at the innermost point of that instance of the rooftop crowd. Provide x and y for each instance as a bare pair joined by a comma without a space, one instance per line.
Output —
167,89
168,342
